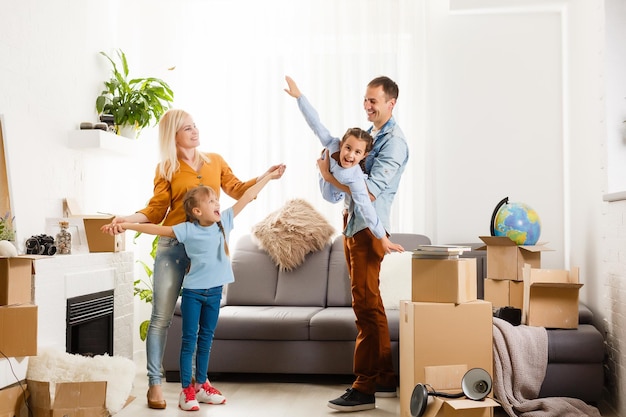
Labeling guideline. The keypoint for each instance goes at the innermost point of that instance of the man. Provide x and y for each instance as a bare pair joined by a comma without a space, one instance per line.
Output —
364,253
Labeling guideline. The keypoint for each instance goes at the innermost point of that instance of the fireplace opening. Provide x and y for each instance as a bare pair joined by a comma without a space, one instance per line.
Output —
90,324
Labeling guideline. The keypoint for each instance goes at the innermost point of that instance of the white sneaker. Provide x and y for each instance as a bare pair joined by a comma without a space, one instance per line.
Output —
187,400
208,394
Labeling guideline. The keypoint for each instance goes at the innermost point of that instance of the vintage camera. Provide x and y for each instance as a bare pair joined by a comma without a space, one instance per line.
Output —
41,245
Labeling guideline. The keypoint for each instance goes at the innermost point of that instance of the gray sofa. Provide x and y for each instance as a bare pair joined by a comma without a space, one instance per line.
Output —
297,322
575,361
301,322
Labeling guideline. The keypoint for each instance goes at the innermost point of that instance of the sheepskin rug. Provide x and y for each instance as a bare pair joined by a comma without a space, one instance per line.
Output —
293,231
53,365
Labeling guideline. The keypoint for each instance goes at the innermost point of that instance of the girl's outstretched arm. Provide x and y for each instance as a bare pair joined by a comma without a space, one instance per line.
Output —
252,192
148,228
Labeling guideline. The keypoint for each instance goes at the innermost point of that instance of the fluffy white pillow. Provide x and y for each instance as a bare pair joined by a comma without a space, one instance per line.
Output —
395,279
290,233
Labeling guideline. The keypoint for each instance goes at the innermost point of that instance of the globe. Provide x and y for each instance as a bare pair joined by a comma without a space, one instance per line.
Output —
517,221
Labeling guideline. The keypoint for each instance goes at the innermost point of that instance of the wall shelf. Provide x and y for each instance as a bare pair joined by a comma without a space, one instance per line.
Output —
99,139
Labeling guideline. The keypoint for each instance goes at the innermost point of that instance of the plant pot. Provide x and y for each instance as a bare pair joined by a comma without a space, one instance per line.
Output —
128,131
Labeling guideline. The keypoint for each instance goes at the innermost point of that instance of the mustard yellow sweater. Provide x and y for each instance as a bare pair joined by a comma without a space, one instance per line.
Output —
167,201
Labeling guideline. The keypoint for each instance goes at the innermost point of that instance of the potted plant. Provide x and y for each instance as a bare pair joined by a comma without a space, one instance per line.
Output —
133,103
7,232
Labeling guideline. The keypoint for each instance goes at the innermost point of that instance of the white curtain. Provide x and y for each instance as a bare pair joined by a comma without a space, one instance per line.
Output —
231,58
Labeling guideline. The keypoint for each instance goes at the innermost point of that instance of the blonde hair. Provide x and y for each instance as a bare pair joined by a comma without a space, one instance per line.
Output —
170,123
192,200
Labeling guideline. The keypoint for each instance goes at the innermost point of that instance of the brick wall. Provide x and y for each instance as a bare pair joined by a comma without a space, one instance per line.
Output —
614,322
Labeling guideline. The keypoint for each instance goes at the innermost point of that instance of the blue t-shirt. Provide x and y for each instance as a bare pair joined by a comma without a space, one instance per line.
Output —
205,246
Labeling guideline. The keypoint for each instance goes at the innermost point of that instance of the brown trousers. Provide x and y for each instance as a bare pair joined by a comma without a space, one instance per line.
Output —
372,354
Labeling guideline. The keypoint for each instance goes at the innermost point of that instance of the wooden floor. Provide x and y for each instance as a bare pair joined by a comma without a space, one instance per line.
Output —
259,396
263,396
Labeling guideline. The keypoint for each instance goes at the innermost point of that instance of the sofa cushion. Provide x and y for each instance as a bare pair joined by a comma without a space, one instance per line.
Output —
339,293
305,285
255,275
582,345
333,323
258,282
338,323
264,323
585,316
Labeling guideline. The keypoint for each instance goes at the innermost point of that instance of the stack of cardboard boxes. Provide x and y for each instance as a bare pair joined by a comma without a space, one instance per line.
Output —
18,328
546,298
444,331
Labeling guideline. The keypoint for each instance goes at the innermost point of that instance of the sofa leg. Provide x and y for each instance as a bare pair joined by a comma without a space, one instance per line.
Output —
172,376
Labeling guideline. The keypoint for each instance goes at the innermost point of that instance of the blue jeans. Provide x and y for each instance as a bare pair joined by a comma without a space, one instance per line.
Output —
200,310
170,264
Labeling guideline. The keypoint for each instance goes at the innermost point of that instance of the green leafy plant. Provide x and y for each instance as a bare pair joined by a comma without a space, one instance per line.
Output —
7,232
137,102
143,287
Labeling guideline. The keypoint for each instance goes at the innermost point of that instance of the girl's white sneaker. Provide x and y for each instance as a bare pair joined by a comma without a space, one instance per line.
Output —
187,400
208,394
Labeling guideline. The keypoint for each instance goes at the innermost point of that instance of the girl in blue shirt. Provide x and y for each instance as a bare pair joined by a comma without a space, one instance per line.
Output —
205,236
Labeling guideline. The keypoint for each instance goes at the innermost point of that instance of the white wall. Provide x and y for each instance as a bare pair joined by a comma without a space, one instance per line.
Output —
462,115
50,74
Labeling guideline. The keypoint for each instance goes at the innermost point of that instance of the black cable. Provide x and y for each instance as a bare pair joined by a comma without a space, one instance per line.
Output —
431,391
30,412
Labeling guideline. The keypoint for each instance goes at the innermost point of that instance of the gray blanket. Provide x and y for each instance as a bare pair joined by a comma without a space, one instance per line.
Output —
520,362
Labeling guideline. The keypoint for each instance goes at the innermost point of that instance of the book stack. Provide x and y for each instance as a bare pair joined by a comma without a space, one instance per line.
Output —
439,251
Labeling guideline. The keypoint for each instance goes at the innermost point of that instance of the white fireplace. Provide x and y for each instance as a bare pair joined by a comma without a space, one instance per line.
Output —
60,277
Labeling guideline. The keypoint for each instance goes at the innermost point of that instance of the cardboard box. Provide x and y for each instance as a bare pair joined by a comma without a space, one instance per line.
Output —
443,280
448,379
505,259
551,298
504,293
16,280
96,240
13,401
438,334
18,330
440,407
71,399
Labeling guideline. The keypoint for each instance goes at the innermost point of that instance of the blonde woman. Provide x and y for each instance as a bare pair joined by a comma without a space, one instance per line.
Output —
181,168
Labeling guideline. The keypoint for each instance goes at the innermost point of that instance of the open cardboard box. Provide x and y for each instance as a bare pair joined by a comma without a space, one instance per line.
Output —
448,379
505,258
96,240
13,401
551,297
72,399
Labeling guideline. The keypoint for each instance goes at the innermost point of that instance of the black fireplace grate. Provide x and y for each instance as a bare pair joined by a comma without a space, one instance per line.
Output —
90,324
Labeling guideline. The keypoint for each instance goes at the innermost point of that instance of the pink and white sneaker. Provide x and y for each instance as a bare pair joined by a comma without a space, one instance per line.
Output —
208,394
187,400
